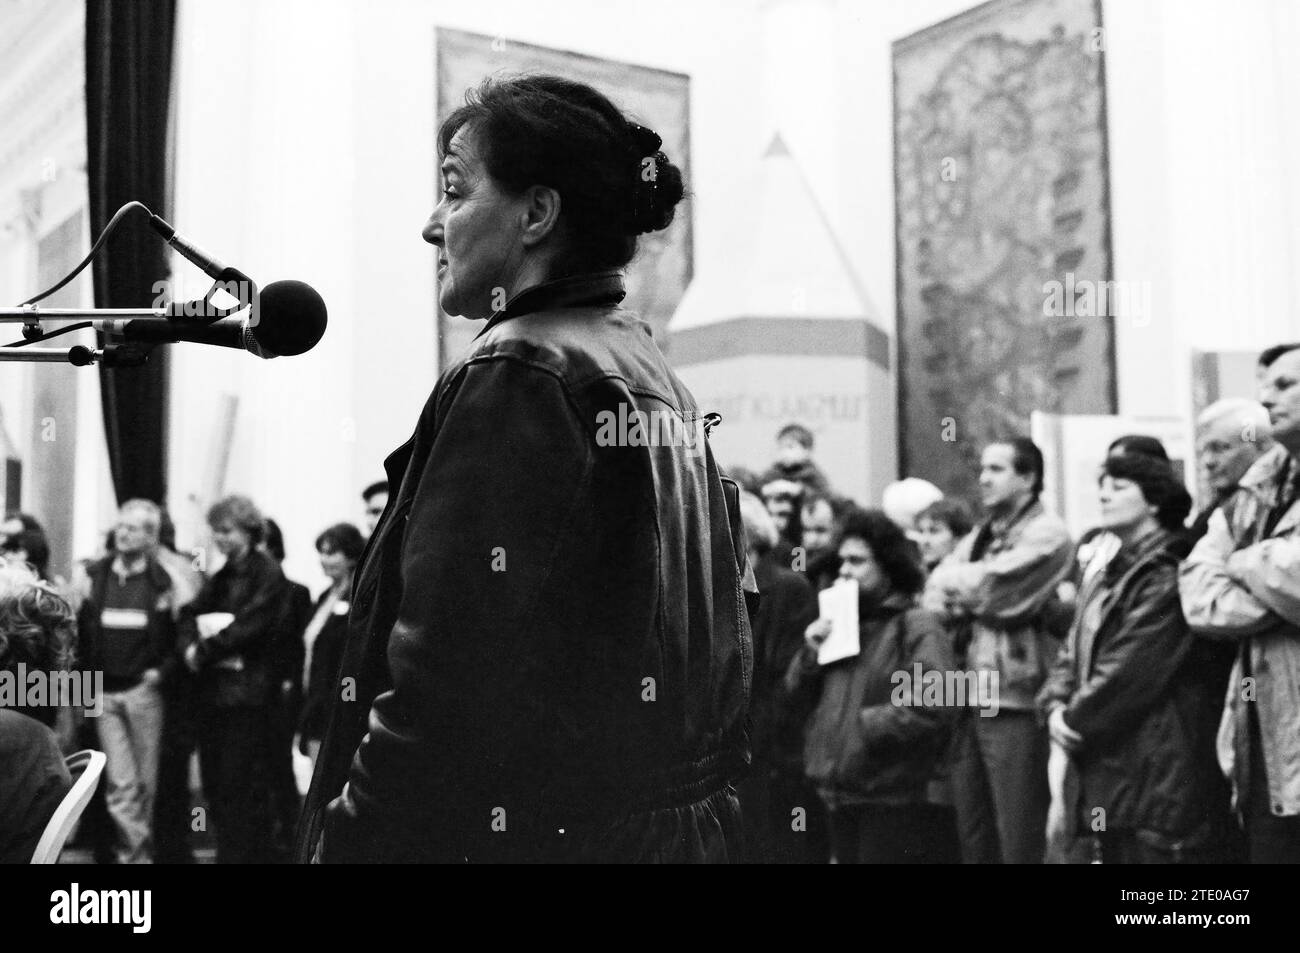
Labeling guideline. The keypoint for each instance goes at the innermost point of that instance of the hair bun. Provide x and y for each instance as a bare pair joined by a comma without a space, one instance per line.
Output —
647,141
657,187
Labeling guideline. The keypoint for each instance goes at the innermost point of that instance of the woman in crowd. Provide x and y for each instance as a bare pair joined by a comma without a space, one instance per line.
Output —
872,754
939,527
339,548
38,632
229,631
1128,699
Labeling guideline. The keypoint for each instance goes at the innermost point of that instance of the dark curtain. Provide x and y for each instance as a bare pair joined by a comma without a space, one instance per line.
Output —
128,85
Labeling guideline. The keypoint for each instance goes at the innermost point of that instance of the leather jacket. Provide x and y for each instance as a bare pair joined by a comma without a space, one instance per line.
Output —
236,664
548,655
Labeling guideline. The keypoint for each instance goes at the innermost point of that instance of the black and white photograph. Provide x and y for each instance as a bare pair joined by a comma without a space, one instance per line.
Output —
749,432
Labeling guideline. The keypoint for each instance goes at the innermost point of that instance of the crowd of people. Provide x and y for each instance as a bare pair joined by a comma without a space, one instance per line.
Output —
238,665
1127,697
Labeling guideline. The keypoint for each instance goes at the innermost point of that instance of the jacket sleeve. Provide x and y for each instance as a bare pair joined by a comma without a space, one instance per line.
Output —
1216,604
430,768
1270,570
1132,668
1019,582
893,724
255,619
950,578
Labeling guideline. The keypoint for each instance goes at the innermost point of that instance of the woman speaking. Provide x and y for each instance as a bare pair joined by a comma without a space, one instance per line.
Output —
548,656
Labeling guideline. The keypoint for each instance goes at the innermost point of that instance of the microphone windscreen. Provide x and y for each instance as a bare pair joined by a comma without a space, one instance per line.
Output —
291,318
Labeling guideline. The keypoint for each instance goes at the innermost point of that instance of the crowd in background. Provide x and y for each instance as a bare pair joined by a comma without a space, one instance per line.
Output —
238,665
1139,692
1145,703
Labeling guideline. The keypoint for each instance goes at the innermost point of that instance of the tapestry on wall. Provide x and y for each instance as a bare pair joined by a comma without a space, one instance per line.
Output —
657,278
1002,230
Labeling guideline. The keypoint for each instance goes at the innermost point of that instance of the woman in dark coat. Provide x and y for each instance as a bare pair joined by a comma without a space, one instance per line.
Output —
872,753
548,656
1134,697
339,548
229,633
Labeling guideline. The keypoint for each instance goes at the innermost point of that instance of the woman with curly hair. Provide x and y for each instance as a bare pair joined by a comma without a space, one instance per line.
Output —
872,759
37,632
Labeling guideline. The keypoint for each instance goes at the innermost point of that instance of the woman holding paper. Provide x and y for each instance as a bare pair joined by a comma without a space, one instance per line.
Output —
875,739
227,629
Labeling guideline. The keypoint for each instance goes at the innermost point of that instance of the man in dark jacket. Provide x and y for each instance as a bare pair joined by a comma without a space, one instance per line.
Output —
129,633
784,820
561,611
288,655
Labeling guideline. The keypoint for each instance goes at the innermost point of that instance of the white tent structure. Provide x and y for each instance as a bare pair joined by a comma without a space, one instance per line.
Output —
776,328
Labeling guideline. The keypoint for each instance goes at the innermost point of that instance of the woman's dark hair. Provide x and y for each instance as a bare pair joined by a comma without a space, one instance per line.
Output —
890,546
342,538
1138,443
952,513
29,522
274,540
1159,485
35,545
614,180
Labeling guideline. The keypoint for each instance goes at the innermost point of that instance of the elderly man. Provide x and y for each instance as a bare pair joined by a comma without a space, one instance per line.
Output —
1231,434
1242,584
131,635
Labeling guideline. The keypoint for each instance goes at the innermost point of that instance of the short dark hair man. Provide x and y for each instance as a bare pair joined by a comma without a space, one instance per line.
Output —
375,497
998,581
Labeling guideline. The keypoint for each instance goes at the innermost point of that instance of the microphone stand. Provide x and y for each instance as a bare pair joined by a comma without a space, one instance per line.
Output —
200,312
79,355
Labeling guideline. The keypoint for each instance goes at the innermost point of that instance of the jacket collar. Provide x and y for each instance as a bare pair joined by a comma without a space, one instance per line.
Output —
1150,547
1265,473
1001,526
604,287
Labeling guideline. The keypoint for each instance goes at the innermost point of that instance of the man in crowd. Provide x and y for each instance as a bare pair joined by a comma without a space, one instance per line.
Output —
998,582
776,785
129,632
784,499
1231,434
287,658
794,447
375,497
819,525
1241,583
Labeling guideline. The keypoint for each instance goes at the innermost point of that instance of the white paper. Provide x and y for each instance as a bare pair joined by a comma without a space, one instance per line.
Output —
839,603
211,623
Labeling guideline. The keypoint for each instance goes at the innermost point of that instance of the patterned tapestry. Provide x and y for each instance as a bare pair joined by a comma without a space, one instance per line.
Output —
1002,229
660,99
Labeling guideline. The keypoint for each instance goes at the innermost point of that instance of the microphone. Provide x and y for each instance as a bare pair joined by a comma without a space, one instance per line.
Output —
192,253
286,318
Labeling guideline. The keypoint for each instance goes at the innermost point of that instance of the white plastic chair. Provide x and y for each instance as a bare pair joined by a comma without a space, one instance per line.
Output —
86,767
